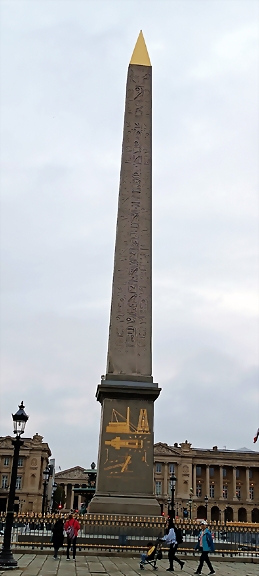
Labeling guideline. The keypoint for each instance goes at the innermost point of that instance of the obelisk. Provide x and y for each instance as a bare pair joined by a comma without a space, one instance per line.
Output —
127,393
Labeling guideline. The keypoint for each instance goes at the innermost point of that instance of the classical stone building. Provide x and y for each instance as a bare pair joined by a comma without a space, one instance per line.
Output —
228,478
70,480
34,456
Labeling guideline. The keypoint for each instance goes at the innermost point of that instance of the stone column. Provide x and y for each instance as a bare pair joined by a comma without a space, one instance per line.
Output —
220,483
69,497
176,488
194,480
247,484
65,491
207,483
234,482
166,479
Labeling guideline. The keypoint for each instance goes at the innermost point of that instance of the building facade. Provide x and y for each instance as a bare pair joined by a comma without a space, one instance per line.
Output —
222,485
69,480
33,459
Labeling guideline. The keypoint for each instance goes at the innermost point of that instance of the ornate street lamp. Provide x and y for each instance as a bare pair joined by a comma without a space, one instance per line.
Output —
19,420
173,480
206,506
54,488
46,475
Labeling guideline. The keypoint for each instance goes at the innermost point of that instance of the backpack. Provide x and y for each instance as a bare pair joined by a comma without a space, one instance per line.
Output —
210,541
70,532
178,535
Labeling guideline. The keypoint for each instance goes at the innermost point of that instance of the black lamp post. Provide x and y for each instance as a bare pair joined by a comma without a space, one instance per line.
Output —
19,420
46,475
206,506
172,484
54,488
168,506
190,508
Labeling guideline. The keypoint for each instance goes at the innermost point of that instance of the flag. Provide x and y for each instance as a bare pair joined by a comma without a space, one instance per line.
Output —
256,436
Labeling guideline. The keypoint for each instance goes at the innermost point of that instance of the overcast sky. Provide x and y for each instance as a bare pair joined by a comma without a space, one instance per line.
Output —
64,66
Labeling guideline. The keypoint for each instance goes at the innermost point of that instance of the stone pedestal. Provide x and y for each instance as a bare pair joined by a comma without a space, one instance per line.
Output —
125,464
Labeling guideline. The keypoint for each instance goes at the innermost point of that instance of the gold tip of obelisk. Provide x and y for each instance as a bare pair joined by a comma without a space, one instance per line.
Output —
140,54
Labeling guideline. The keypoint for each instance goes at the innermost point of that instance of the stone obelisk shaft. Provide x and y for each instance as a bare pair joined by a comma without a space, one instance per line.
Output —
129,347
127,393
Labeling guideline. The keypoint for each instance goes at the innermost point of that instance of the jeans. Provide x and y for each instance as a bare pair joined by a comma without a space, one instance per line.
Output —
69,544
204,558
143,558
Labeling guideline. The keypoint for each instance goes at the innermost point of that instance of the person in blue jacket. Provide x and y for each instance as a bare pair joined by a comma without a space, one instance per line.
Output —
206,545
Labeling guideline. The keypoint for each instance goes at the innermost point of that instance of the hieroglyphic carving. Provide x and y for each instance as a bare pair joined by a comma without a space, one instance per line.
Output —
129,348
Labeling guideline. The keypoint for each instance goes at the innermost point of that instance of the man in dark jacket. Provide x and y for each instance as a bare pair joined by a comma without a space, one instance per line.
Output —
57,536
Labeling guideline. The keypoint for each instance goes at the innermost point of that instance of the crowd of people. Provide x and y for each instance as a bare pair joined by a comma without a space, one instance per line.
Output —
172,537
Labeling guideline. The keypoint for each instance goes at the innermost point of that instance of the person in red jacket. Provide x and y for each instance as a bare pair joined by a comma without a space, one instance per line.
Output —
71,528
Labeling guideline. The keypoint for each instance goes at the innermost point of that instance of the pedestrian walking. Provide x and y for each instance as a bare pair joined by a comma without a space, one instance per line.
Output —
57,536
72,528
170,538
205,545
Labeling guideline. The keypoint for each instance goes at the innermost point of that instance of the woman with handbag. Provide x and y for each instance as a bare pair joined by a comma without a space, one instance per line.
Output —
72,528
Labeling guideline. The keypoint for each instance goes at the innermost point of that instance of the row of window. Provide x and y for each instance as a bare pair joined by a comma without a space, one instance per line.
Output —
159,468
224,472
7,461
225,491
158,488
198,470
6,485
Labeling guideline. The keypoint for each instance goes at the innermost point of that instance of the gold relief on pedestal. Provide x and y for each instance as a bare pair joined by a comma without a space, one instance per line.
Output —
127,441
123,425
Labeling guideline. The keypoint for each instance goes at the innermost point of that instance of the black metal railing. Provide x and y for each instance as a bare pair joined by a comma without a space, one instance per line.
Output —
131,533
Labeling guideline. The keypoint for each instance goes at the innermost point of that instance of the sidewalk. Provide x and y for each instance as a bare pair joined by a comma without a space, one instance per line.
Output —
45,565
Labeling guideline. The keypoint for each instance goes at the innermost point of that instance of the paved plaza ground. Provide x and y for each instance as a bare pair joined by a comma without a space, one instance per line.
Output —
45,565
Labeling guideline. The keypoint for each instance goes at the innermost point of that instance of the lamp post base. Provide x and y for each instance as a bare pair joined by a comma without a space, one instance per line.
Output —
7,560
